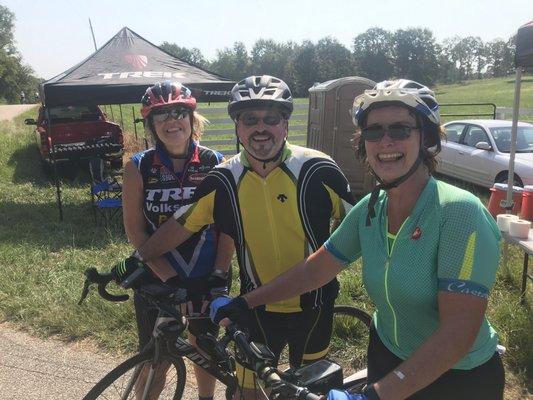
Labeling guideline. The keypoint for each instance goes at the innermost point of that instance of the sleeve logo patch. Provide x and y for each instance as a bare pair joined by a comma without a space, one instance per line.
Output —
417,233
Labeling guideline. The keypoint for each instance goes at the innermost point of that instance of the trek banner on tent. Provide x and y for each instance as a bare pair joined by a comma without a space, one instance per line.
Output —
524,46
121,70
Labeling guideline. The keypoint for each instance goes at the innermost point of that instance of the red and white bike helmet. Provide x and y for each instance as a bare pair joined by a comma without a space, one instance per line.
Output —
166,94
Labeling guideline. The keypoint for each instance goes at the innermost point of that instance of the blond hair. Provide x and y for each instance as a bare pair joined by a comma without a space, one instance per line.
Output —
198,123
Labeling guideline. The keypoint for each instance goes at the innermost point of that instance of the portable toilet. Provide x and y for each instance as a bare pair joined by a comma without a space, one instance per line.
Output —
330,127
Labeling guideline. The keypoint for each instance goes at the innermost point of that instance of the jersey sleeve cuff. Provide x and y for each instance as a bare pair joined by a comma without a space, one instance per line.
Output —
336,254
463,287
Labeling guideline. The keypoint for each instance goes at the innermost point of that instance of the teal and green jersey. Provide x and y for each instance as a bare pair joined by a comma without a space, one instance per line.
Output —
449,243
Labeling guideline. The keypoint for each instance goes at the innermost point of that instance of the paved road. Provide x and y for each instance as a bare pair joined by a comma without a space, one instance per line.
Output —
11,111
51,369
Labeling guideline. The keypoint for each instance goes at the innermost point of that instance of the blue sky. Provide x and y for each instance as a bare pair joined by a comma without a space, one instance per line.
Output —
53,35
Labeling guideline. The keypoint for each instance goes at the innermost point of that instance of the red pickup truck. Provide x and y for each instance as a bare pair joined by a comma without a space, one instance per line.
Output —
77,132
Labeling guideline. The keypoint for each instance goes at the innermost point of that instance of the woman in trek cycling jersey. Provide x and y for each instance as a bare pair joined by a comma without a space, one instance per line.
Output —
157,182
429,250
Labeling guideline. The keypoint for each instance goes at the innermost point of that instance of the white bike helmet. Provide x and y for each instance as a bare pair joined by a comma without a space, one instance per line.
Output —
417,98
413,95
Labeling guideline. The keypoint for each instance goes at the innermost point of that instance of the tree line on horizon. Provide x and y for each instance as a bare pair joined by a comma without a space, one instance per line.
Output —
376,54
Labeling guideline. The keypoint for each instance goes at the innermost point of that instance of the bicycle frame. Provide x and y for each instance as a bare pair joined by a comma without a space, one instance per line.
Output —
180,347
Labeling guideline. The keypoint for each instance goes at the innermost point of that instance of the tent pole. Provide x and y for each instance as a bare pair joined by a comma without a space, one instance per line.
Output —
134,124
54,164
121,119
516,109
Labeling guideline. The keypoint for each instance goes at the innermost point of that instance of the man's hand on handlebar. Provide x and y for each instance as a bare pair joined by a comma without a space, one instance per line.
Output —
217,284
225,310
130,272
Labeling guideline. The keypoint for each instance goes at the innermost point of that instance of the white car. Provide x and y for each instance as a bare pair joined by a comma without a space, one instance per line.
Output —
477,151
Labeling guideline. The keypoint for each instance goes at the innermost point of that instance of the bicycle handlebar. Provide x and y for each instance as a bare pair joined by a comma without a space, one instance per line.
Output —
261,365
266,372
92,276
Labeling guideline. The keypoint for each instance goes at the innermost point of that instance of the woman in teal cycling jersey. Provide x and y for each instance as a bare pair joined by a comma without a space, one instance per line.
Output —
429,252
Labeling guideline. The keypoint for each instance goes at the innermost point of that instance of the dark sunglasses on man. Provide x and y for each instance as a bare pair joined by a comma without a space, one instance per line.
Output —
164,114
375,133
249,119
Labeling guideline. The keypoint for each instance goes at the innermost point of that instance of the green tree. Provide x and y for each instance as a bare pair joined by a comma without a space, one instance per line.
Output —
304,72
192,56
232,62
373,52
14,75
416,55
332,60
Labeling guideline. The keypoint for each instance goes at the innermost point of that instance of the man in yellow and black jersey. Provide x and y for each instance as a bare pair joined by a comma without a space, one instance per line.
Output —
277,202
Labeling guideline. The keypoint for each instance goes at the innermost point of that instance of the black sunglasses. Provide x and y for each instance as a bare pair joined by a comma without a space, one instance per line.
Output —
375,133
167,113
270,119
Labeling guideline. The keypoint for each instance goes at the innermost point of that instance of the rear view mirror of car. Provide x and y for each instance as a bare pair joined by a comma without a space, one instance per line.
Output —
483,146
30,121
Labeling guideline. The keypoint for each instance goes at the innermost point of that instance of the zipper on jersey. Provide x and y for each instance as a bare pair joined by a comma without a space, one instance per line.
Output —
271,219
386,278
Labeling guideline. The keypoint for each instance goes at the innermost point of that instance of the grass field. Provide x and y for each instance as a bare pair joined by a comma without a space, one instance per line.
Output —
43,259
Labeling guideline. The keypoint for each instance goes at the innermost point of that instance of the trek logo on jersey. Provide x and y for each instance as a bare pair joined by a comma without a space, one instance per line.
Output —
281,197
197,178
164,195
417,233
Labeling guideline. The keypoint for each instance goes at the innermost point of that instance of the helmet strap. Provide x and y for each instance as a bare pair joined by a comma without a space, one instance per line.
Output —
387,186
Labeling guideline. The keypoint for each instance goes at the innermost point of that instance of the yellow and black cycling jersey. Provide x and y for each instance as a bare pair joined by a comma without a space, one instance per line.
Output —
275,221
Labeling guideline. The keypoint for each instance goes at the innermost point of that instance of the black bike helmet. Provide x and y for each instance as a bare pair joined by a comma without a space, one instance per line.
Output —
260,91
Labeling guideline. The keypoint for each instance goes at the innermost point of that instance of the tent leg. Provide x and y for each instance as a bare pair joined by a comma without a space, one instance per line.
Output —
134,124
121,119
516,110
58,189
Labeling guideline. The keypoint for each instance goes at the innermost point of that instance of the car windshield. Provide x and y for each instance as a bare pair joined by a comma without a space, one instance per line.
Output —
74,114
524,139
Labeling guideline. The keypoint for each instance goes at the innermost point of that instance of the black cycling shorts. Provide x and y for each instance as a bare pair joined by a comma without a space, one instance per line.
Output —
146,315
307,334
485,381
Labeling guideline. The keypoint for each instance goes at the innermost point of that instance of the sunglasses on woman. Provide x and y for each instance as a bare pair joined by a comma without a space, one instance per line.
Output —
252,119
167,113
375,133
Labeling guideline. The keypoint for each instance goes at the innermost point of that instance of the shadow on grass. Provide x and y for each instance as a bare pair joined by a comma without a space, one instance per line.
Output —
29,168
38,224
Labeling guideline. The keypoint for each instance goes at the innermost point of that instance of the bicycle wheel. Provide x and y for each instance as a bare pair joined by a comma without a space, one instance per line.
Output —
120,383
349,338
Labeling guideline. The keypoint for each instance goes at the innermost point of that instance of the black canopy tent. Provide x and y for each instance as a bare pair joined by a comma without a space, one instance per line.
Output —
523,59
121,70
119,73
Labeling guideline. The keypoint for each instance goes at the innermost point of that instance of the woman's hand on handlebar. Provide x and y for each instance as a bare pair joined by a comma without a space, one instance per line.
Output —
345,395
